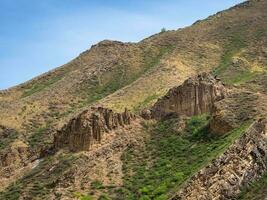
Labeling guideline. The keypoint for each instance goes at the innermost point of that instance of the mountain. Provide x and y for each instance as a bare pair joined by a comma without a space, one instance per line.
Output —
144,159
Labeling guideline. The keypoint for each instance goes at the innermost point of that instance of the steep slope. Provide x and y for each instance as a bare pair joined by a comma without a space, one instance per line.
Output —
231,44
244,162
117,74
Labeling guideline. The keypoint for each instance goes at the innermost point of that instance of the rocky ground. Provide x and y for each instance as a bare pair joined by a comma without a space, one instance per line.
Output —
59,138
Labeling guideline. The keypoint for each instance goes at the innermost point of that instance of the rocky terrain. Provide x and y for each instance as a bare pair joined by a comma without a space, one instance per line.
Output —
178,115
194,97
89,127
243,162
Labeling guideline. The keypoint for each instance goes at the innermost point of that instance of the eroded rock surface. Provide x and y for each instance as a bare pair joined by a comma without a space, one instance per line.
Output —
229,113
195,96
13,160
89,127
244,162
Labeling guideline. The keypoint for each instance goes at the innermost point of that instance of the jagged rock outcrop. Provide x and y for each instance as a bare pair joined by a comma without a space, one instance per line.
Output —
229,113
243,162
195,96
89,127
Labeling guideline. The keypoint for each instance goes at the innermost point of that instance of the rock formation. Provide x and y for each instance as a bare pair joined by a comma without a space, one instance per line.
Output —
243,162
146,114
229,113
195,96
89,127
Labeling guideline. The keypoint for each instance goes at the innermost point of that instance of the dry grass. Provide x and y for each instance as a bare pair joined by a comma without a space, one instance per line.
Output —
133,75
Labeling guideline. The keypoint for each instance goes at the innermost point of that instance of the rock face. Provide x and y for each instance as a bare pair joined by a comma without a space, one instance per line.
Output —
195,96
227,114
242,163
89,127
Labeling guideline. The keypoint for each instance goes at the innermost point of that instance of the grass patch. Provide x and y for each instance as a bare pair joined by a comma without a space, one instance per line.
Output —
146,102
234,46
104,197
197,127
257,190
97,185
241,77
39,137
158,169
260,33
40,85
83,196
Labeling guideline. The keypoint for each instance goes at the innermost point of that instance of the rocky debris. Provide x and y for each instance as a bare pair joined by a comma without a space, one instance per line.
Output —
243,162
12,161
5,132
146,114
17,152
227,114
89,127
76,172
195,96
13,150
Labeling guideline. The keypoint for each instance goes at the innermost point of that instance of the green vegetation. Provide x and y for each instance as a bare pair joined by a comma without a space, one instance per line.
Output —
146,102
11,137
120,76
260,33
197,127
39,86
234,46
12,193
97,185
44,82
86,197
257,190
104,197
157,169
82,196
163,30
39,182
40,136
241,77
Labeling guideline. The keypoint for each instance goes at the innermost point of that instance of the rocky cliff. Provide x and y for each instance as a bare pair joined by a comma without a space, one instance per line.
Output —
229,113
89,127
195,96
244,162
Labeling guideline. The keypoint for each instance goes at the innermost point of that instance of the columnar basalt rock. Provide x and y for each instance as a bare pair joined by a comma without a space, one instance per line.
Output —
195,96
243,162
89,127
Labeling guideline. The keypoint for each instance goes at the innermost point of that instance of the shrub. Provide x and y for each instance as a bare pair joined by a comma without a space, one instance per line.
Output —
163,30
97,185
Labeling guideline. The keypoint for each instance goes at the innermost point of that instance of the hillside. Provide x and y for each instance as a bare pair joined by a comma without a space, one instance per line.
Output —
231,45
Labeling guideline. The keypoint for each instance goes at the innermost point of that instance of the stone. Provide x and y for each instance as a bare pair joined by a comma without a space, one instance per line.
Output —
146,114
232,111
89,127
242,163
195,96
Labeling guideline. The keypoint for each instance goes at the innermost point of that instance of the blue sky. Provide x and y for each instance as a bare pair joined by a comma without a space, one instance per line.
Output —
39,35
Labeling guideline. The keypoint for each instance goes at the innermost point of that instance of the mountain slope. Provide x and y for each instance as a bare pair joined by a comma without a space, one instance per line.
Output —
231,44
163,60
